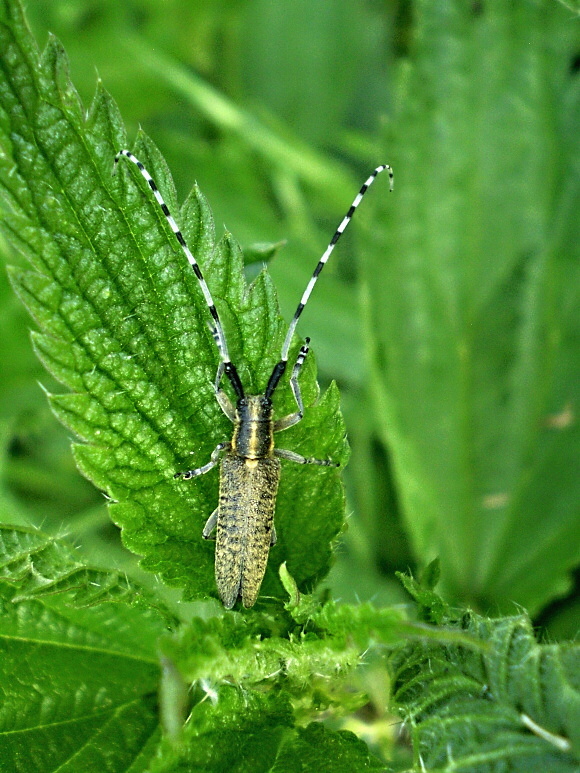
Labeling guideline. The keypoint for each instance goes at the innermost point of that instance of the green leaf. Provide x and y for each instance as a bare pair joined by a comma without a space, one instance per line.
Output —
495,701
78,670
431,606
261,253
42,566
472,300
255,733
308,667
316,748
124,325
311,663
229,732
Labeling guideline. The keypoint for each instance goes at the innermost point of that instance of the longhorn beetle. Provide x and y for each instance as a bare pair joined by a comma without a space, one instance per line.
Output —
249,466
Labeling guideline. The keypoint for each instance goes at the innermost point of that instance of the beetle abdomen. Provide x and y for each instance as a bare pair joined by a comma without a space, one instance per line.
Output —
248,489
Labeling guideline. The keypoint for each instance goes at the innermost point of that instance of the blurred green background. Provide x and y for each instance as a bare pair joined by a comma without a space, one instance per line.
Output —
449,315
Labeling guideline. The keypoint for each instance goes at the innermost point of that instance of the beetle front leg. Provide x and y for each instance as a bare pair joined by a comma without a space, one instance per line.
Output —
224,401
294,418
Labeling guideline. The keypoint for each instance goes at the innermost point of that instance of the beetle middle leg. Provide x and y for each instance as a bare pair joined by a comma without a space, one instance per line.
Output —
213,462
211,523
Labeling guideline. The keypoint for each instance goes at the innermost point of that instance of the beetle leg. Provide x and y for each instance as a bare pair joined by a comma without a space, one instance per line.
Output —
292,456
294,418
210,525
213,461
224,401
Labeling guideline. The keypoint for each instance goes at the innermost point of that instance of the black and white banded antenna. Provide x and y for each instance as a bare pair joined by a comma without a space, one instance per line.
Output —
281,366
226,366
217,330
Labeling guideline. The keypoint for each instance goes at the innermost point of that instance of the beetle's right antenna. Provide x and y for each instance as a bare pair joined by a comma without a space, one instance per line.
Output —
281,365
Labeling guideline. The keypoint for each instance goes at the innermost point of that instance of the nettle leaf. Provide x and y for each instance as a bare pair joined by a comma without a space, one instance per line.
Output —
310,661
255,733
279,674
79,669
124,326
430,606
494,701
473,317
43,566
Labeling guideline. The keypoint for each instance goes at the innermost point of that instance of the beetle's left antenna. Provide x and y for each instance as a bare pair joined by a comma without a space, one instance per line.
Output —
217,328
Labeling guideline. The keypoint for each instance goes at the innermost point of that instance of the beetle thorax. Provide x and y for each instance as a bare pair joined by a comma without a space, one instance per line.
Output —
253,427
